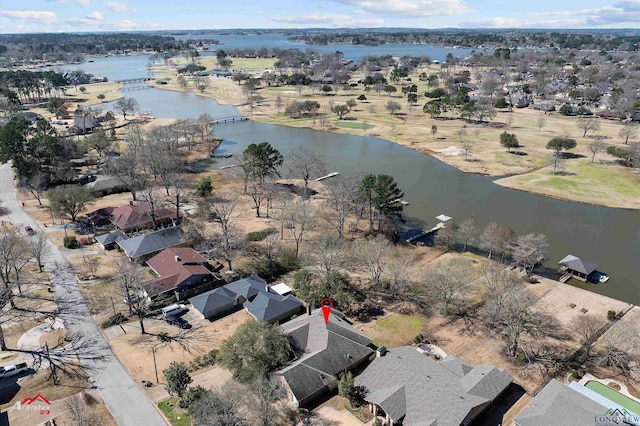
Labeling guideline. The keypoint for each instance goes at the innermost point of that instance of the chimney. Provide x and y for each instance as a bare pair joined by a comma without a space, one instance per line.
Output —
178,258
381,351
309,310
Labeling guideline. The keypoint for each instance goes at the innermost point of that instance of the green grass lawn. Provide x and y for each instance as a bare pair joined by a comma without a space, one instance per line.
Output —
252,63
614,396
176,416
395,330
353,125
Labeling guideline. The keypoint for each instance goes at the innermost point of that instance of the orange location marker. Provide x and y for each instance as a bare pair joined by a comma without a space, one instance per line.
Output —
326,304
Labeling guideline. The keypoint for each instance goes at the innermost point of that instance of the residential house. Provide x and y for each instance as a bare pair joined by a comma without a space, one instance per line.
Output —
133,217
521,99
322,351
29,116
151,243
409,388
109,241
104,185
104,116
83,123
254,295
181,271
557,404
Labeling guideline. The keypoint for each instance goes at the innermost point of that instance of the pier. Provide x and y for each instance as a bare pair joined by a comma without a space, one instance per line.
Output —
133,80
442,218
229,119
128,88
330,175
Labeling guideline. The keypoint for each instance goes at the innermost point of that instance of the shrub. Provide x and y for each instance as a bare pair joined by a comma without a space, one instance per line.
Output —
260,235
71,242
575,374
418,339
204,360
116,319
611,315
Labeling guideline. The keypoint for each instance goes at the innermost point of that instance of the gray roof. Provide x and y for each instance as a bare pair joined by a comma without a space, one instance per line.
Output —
111,237
213,300
259,299
412,387
105,183
151,242
557,404
322,351
575,263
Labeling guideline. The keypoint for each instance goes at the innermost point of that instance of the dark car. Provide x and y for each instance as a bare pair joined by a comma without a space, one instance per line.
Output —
178,322
29,230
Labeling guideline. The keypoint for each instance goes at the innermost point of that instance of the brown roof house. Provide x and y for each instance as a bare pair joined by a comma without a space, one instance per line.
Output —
322,352
183,271
132,217
409,388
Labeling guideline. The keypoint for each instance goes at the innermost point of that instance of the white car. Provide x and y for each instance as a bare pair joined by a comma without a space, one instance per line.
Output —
173,310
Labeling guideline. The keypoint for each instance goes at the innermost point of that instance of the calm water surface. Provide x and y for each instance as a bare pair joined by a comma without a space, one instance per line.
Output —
609,237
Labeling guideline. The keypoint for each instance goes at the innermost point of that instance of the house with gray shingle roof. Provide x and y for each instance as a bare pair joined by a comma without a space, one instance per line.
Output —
579,268
322,351
410,388
557,404
152,242
254,295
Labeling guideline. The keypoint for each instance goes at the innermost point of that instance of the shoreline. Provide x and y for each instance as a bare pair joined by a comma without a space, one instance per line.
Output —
261,114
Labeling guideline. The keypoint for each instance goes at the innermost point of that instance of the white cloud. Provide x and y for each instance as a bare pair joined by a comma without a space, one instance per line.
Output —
38,16
622,13
94,16
115,6
125,24
410,8
326,19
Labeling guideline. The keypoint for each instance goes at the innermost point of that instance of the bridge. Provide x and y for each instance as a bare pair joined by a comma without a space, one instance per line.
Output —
129,88
229,119
133,80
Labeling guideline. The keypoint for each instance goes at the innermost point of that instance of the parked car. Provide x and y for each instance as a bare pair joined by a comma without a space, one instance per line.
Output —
29,230
133,298
12,370
173,310
178,322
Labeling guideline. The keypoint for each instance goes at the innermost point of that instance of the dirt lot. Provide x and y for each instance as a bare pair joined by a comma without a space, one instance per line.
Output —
134,349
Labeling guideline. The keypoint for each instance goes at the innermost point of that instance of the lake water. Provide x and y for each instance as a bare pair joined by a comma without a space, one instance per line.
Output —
610,237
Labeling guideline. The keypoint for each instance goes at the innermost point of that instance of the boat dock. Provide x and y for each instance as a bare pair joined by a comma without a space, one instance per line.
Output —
330,175
229,119
442,218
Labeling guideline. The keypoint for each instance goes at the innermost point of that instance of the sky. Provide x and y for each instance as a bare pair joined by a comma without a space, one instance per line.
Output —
19,16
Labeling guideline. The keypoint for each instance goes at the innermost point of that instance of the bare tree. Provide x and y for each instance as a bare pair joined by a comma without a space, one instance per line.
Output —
149,194
130,288
585,124
529,250
371,253
223,205
39,246
587,329
627,132
619,349
596,146
34,185
328,254
399,270
14,255
498,284
342,194
490,237
541,123
300,217
304,163
80,414
467,232
517,318
446,282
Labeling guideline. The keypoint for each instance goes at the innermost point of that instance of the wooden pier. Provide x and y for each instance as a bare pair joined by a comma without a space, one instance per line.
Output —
229,120
330,175
133,80
129,88
442,218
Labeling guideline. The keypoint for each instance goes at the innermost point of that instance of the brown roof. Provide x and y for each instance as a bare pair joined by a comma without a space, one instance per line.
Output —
137,216
175,265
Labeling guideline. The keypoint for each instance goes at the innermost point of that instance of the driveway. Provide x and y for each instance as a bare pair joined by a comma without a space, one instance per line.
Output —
124,398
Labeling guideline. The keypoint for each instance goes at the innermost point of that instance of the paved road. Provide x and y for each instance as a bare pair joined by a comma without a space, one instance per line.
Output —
125,399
